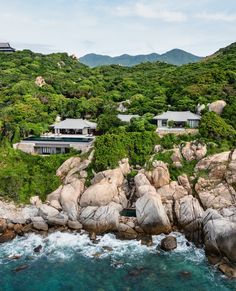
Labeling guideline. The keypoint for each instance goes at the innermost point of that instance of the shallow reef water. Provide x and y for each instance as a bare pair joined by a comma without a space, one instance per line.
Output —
70,261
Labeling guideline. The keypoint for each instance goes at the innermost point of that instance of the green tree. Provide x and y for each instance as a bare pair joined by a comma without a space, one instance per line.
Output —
213,126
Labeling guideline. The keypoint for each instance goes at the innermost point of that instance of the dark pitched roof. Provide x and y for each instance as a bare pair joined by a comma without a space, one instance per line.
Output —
4,45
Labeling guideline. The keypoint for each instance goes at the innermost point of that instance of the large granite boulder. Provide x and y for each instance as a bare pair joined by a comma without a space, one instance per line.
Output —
46,211
68,165
183,180
141,180
177,158
212,162
39,223
17,215
7,236
216,196
217,106
219,235
99,194
3,225
217,189
151,214
160,175
69,197
59,220
187,210
231,169
107,187
100,219
126,232
55,195
169,195
115,176
169,243
194,151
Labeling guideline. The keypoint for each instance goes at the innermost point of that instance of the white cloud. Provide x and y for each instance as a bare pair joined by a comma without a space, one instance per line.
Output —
150,11
226,17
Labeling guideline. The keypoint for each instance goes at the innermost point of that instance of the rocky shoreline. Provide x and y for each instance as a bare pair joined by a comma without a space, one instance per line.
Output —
202,206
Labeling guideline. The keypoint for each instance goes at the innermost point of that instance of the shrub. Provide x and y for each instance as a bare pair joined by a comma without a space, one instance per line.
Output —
111,148
213,126
23,175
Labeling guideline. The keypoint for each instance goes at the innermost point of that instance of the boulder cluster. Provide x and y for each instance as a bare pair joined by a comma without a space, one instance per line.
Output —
203,207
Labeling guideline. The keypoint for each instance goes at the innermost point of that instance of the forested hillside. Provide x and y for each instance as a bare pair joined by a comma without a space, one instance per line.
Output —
74,90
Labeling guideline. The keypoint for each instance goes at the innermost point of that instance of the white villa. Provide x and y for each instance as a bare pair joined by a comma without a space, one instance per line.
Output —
178,120
74,127
127,117
69,133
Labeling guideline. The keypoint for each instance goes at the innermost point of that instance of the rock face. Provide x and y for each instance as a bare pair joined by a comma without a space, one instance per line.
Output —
126,232
39,223
40,82
217,191
184,181
151,214
217,106
99,194
189,215
76,225
67,166
46,211
194,151
202,206
8,235
3,225
61,220
69,197
36,201
188,210
106,188
170,194
219,235
100,219
169,243
160,175
177,158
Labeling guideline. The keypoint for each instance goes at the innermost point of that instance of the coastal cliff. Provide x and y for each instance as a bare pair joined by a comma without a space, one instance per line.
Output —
202,206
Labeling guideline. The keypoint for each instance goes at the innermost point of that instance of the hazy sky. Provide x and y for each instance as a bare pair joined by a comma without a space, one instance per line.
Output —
118,26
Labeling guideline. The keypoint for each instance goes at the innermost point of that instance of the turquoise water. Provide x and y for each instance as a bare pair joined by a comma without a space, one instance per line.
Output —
73,262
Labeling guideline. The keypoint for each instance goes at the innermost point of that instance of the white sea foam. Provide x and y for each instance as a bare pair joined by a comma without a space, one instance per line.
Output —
63,246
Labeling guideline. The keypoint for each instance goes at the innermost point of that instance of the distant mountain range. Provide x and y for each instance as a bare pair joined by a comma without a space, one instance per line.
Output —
176,57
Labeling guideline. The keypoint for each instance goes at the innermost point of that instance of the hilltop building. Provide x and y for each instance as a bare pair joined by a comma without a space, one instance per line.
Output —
177,120
69,133
6,48
127,117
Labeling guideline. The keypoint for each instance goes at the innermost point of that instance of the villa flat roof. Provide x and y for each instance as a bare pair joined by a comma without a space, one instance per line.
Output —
178,116
75,124
127,117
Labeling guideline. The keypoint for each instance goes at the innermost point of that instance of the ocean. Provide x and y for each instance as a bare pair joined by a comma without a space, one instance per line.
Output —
70,261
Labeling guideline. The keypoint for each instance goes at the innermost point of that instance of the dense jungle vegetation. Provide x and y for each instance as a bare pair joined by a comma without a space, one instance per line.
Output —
74,90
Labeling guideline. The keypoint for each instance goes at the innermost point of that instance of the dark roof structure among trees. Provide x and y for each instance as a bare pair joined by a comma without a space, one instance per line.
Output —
6,48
